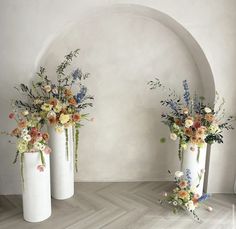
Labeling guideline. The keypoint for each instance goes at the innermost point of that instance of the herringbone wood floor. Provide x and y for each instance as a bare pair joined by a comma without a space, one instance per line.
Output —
119,206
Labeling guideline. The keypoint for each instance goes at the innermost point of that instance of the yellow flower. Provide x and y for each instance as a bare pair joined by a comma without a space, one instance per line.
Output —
46,107
22,146
59,129
57,108
64,118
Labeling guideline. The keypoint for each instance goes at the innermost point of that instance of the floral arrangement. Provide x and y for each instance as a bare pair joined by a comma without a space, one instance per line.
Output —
56,102
30,138
184,196
191,120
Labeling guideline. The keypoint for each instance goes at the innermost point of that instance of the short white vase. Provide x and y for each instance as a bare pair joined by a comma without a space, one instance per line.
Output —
36,194
62,164
194,159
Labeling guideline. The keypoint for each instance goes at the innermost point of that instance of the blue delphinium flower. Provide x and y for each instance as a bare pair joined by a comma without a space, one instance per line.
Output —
77,74
203,197
81,94
186,92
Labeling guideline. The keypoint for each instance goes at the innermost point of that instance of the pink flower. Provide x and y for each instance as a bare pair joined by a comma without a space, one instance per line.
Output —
40,168
11,115
47,150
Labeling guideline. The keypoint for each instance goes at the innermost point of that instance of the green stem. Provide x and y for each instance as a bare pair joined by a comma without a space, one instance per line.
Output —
76,147
22,168
42,158
198,153
67,148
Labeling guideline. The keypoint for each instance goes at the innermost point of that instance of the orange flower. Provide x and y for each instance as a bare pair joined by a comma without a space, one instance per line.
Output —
193,139
52,120
209,117
178,122
72,101
195,199
53,102
68,92
22,124
76,117
188,131
16,132
45,136
183,194
183,184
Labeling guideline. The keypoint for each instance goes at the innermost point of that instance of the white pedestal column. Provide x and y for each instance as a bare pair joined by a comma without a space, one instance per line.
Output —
36,193
196,166
62,167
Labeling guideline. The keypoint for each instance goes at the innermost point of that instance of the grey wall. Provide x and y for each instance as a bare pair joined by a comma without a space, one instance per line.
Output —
122,50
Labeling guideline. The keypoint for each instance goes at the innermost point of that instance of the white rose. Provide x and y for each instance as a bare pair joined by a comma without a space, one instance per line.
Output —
190,205
173,136
188,123
27,137
207,110
179,174
213,128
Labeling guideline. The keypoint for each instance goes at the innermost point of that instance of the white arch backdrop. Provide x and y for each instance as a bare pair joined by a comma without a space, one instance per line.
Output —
124,46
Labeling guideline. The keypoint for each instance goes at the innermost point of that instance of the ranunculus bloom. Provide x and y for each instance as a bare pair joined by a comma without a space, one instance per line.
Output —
47,150
72,101
188,132
196,124
53,102
40,168
185,110
193,140
183,184
45,136
11,115
178,122
68,92
64,118
209,117
173,136
207,110
22,124
188,122
16,132
179,174
76,117
183,194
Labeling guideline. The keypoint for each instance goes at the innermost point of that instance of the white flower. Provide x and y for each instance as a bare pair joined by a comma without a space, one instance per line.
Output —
184,146
190,205
37,145
47,88
54,90
207,110
51,114
175,203
27,137
25,112
24,132
213,128
179,174
173,136
188,123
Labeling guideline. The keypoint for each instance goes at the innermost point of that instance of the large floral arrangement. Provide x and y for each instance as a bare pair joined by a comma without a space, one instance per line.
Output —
191,120
30,138
59,104
184,196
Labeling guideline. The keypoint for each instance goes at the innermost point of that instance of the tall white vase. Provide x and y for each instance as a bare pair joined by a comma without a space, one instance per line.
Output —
62,164
36,194
196,164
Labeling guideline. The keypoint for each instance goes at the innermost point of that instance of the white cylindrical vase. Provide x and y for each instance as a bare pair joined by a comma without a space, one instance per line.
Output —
36,194
62,163
194,159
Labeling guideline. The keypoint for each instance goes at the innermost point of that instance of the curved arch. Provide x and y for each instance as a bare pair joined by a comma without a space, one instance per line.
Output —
196,52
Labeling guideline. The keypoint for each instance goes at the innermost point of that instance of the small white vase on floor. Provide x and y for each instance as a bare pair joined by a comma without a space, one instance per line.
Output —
62,164
36,194
194,159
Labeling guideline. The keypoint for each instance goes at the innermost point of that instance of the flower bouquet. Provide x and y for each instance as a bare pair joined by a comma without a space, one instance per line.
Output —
184,196
191,120
55,102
